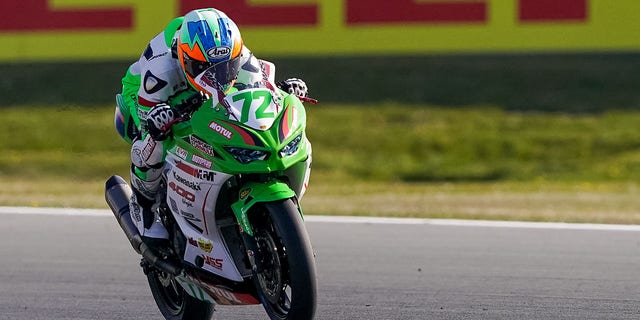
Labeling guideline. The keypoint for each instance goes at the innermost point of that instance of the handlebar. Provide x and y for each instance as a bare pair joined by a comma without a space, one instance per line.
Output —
191,104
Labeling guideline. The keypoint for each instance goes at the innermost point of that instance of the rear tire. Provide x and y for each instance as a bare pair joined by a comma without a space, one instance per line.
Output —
175,303
286,284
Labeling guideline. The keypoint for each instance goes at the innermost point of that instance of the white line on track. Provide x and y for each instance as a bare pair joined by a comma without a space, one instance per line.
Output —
359,220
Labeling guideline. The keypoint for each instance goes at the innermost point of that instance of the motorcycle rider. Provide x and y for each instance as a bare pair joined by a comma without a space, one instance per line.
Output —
203,44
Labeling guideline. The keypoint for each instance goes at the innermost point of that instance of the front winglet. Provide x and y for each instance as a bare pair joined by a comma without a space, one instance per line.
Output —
255,192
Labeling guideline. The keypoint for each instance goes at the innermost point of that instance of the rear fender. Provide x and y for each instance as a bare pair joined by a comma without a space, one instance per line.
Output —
255,192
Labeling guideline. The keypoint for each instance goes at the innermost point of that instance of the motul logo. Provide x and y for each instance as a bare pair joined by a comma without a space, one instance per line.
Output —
221,130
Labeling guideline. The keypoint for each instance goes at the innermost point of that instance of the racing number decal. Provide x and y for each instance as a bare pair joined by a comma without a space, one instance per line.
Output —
248,98
266,101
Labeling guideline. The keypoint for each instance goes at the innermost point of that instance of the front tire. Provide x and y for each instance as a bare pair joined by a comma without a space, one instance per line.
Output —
286,280
175,303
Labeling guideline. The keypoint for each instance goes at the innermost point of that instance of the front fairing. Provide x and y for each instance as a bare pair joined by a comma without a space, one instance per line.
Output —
192,196
246,122
206,184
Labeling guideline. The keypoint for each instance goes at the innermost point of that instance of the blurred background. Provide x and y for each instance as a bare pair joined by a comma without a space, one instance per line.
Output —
491,109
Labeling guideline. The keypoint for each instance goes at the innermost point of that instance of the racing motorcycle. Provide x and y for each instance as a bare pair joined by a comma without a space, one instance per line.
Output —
234,172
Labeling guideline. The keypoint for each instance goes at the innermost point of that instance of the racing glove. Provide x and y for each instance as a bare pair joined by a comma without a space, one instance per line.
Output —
294,86
158,119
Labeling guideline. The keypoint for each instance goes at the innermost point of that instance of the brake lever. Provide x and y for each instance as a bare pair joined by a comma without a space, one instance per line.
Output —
186,108
191,104
307,99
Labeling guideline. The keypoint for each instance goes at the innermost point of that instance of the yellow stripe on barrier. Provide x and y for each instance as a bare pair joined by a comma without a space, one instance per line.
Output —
88,29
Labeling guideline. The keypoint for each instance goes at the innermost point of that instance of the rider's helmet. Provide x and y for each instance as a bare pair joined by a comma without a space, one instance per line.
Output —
209,47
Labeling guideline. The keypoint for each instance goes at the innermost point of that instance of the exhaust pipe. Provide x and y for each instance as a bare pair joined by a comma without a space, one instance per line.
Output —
117,194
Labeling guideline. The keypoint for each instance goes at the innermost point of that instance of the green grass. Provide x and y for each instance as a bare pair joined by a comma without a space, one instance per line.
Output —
385,159
429,144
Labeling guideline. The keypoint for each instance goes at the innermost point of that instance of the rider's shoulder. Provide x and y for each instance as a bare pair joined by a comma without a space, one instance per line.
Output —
160,74
157,56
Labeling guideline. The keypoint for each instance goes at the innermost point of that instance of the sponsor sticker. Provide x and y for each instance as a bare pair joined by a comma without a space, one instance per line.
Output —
205,245
191,184
221,130
219,52
182,153
142,114
148,150
201,145
136,213
244,193
201,161
182,192
206,175
189,216
197,173
214,262
187,203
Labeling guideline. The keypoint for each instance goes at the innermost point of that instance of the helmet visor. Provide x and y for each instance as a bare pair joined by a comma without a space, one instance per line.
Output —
194,67
217,76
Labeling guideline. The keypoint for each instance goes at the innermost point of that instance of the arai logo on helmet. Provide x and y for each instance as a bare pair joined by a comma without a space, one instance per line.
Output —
219,52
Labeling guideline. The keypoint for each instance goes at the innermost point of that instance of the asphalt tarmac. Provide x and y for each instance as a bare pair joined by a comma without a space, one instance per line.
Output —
82,267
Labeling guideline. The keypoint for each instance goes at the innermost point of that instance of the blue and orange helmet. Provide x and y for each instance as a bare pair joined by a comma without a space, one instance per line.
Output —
209,49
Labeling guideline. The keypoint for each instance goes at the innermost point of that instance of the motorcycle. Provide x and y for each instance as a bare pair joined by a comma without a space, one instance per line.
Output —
234,172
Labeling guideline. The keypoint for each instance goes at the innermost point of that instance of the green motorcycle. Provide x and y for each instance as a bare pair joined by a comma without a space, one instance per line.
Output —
234,172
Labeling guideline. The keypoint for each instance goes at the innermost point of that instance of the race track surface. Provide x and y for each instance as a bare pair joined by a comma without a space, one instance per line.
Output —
82,267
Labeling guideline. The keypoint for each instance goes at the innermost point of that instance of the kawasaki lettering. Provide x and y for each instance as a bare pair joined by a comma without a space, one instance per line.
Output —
190,184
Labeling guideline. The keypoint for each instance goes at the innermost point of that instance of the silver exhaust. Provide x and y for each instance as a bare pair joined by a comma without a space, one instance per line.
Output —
117,194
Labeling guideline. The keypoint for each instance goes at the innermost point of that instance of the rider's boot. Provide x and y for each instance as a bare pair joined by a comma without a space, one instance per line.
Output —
145,185
146,176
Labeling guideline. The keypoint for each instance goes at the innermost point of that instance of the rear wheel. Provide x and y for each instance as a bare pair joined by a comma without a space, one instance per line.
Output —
286,276
174,303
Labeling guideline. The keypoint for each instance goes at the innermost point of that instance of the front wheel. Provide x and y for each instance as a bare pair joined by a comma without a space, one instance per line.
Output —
174,303
286,276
